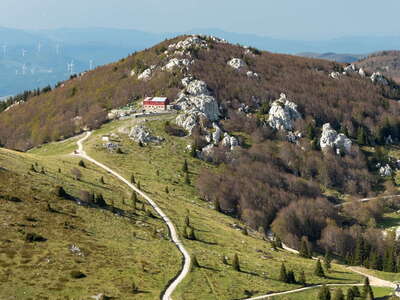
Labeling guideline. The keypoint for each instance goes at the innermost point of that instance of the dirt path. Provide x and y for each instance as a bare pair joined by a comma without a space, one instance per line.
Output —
172,230
374,281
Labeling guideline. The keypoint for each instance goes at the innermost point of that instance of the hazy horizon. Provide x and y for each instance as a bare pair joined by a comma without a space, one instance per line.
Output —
283,20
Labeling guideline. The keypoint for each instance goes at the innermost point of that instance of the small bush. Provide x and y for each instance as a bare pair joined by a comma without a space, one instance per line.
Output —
34,237
77,275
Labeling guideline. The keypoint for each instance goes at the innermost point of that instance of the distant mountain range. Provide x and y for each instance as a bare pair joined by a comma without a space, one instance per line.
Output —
32,59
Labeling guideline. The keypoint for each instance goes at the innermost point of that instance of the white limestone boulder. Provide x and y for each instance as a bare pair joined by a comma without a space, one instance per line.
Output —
331,139
236,63
385,171
283,113
141,134
197,87
175,62
146,74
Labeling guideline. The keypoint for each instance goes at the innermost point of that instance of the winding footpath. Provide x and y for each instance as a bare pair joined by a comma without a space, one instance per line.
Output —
172,230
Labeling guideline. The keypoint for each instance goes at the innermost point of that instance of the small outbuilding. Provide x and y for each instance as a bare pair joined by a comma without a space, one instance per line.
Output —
156,103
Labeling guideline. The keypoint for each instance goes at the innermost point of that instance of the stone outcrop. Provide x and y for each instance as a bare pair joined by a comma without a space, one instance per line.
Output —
175,62
146,74
283,114
236,63
331,139
141,134
192,41
196,103
350,69
385,171
378,78
229,141
361,72
217,134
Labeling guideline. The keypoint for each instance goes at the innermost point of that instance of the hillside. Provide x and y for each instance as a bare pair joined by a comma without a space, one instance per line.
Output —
332,56
258,147
386,62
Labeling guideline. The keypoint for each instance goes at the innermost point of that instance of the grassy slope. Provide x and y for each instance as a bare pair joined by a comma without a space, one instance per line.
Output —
217,237
116,249
379,293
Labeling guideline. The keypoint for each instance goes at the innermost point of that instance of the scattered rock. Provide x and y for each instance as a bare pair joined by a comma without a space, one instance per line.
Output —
283,114
331,139
237,63
361,72
141,134
111,146
350,69
252,74
76,250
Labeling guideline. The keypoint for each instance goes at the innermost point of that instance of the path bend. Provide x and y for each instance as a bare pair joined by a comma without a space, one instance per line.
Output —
172,230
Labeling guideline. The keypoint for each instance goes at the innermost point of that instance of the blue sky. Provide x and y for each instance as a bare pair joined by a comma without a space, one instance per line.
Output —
294,19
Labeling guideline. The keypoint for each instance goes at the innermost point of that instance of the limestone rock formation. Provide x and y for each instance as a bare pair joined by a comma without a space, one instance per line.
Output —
377,77
192,41
331,139
146,74
283,114
237,63
141,134
217,134
385,171
334,75
175,62
196,103
230,141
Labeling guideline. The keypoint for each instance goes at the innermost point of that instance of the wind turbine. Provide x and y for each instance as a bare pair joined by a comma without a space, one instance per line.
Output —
23,69
24,52
71,67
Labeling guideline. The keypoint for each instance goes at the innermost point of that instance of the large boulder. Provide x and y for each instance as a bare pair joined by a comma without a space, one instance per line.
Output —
141,134
283,114
236,63
331,139
217,134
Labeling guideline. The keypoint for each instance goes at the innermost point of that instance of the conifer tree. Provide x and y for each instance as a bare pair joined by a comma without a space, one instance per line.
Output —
166,190
283,274
319,271
302,278
278,242
133,179
138,185
367,290
350,294
324,293
99,200
338,295
224,260
195,262
290,277
304,248
185,167
217,206
356,291
102,180
134,199
187,179
187,221
191,234
236,263
82,164
327,261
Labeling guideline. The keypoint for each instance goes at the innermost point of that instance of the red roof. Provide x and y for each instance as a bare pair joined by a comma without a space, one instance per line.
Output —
162,101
